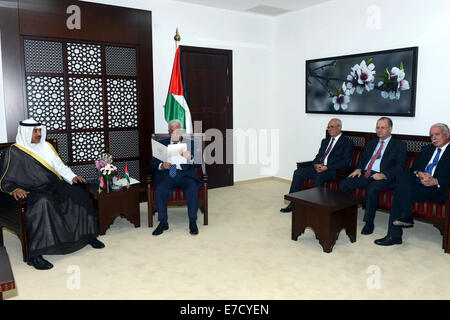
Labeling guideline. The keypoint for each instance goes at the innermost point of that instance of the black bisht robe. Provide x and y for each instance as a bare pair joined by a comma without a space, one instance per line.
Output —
59,218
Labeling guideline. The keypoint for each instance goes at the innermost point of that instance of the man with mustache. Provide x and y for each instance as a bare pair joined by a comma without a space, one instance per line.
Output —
59,218
427,180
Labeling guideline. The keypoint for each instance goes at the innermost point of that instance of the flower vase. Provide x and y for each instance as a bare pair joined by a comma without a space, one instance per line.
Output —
108,181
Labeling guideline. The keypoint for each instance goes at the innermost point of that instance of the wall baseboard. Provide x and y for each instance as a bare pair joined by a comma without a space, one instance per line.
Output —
262,179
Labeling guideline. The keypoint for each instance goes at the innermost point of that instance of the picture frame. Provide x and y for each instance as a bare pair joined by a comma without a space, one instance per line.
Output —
373,83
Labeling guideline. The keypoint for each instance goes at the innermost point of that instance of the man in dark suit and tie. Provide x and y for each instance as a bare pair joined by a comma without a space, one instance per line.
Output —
168,176
426,180
383,159
335,152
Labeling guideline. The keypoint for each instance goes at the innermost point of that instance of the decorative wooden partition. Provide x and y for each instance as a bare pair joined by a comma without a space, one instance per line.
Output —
92,87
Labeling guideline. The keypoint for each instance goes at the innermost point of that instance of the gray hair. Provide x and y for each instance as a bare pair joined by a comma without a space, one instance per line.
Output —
441,125
175,123
389,120
339,122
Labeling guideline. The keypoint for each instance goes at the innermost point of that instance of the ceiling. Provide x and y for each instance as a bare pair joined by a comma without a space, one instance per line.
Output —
264,7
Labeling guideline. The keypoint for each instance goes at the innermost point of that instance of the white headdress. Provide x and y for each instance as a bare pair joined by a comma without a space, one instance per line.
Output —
25,133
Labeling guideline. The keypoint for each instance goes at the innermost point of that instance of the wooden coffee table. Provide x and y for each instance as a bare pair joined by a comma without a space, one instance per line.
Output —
6,276
122,202
327,212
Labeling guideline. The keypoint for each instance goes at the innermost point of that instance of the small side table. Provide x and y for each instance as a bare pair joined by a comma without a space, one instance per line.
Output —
327,212
122,202
6,276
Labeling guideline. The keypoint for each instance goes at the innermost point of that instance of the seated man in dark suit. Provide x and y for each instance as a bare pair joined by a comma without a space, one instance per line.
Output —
382,160
168,176
335,152
427,180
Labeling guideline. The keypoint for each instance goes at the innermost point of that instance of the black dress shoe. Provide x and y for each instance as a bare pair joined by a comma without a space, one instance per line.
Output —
368,229
95,243
388,241
193,227
287,209
39,263
160,228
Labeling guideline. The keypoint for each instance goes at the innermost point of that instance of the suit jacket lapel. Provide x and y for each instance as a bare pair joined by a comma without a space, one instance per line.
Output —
336,146
443,160
387,150
371,151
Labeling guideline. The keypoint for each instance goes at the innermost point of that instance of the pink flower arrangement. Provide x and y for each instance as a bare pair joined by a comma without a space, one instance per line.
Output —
104,159
104,164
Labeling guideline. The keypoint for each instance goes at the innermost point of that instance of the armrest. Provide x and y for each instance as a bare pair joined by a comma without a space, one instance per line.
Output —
343,173
12,210
447,200
304,164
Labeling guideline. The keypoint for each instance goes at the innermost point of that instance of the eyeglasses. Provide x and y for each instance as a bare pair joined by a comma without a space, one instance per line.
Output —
332,127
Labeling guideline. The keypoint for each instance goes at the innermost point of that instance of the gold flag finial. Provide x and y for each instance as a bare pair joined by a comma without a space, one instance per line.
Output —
177,37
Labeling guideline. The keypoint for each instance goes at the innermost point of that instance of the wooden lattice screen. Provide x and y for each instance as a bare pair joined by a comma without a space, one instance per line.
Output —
87,94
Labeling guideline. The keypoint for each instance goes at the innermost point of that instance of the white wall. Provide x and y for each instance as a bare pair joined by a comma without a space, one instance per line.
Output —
340,28
3,137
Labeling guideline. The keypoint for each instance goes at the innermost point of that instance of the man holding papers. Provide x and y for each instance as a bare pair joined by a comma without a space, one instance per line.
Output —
173,167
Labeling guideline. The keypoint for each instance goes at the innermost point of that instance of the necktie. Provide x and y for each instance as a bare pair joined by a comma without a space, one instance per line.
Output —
375,157
173,170
327,151
430,167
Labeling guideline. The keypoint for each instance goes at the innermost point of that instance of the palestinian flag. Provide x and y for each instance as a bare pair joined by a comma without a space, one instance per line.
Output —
176,106
126,175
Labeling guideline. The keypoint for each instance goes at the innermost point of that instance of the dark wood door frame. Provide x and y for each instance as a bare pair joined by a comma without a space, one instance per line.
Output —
229,103
99,23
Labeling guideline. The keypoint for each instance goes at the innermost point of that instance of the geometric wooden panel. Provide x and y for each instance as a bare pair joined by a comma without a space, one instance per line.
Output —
83,134
43,56
122,103
124,144
415,146
120,61
84,59
357,141
86,103
63,148
85,170
46,102
86,145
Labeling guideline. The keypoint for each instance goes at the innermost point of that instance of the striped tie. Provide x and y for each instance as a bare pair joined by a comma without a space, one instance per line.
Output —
327,151
375,157
431,166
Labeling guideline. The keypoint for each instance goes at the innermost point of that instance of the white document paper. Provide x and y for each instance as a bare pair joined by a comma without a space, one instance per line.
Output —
159,151
174,153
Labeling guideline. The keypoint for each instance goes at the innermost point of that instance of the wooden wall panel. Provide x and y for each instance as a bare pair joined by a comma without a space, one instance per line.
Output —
12,67
99,22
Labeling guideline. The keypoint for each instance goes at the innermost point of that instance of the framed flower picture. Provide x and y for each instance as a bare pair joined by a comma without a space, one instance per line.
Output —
373,83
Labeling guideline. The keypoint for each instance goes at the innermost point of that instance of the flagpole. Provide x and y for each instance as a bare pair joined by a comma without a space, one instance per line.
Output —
177,38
